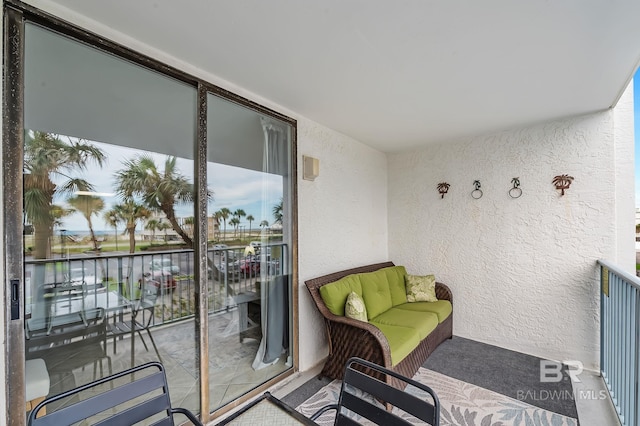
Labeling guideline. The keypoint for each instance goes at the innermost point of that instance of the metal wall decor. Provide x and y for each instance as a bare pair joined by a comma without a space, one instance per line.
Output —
516,191
443,188
562,182
477,192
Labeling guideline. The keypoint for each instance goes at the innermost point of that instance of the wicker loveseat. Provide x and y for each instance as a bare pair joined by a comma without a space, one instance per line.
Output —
350,337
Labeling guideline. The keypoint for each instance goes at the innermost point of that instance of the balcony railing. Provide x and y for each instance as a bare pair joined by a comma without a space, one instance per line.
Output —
64,285
620,340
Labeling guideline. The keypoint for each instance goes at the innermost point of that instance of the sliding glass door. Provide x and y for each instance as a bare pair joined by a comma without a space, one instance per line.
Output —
108,216
250,295
155,222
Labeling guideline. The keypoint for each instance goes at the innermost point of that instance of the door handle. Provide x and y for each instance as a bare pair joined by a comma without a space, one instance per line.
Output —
15,299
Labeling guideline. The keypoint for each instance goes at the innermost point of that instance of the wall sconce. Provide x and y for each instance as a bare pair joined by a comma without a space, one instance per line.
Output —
310,168
443,188
562,182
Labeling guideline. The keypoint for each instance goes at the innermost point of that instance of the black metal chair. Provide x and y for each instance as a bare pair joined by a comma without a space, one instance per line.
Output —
141,317
124,398
360,391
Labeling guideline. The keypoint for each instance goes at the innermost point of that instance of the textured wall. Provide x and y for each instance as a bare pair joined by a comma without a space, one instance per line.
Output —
342,219
523,271
623,118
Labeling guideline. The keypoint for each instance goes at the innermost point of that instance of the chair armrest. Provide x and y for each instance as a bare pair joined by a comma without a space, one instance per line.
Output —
322,410
187,414
360,336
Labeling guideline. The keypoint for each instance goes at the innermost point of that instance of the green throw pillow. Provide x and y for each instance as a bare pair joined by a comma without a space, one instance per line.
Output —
421,288
354,308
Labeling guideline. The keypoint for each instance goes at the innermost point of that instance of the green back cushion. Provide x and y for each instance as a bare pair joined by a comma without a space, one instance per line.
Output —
335,294
396,279
375,292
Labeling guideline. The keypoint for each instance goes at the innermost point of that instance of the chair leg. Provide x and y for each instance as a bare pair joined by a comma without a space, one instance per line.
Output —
153,342
143,342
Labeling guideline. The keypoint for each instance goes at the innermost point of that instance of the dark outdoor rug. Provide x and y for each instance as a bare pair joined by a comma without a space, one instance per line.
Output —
506,372
461,404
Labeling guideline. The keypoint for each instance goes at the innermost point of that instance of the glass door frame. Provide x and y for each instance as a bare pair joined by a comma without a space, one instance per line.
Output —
15,14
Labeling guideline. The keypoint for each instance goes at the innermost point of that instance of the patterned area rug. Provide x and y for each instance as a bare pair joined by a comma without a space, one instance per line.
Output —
461,404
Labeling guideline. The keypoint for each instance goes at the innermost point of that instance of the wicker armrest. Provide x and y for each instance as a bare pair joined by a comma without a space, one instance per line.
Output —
443,292
364,326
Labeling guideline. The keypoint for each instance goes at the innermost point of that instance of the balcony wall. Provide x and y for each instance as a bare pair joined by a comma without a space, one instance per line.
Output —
342,220
523,271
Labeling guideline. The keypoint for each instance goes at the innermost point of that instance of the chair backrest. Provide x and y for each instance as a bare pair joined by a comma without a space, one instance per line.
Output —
125,398
145,308
381,403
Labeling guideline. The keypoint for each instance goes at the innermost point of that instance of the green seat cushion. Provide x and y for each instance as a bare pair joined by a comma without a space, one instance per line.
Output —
396,279
442,308
334,295
375,292
423,322
402,340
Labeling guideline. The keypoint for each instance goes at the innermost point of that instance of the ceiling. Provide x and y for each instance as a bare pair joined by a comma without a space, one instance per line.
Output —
396,75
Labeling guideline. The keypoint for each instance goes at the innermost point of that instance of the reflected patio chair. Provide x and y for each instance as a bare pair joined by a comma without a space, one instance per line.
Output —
126,398
363,396
141,317
72,342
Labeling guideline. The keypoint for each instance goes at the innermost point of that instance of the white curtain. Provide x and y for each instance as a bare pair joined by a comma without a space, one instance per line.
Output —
273,286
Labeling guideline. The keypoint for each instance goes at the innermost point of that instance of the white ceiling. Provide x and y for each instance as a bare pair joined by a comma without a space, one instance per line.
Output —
399,74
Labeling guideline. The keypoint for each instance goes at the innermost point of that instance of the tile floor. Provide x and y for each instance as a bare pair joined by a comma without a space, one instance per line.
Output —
230,376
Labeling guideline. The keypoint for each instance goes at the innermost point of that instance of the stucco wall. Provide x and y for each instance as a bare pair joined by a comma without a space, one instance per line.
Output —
522,271
624,118
342,219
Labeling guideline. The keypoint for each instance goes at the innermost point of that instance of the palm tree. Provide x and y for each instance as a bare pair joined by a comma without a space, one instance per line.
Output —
264,224
250,219
152,225
217,216
239,213
159,190
224,214
163,227
112,220
234,222
277,212
188,223
88,205
128,213
47,158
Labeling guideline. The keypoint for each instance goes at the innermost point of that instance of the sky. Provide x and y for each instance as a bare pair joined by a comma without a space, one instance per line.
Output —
636,107
233,187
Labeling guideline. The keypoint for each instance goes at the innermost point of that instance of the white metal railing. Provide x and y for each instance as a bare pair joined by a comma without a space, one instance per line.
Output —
620,340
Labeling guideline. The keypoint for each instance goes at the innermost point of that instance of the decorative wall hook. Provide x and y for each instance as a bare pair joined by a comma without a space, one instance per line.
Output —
443,188
516,191
562,182
477,192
